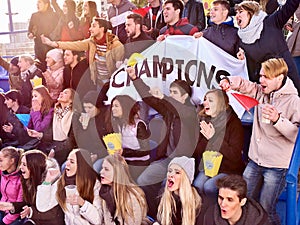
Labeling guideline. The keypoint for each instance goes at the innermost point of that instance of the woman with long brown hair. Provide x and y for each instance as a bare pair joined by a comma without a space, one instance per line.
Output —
81,207
41,115
33,168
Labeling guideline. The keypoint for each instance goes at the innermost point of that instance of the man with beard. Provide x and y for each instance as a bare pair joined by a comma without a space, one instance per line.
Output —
137,40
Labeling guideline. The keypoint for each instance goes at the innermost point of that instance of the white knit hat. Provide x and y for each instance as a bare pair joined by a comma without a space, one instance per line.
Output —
56,54
187,164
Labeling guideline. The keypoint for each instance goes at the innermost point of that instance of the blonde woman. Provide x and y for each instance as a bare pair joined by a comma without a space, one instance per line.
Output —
123,202
180,203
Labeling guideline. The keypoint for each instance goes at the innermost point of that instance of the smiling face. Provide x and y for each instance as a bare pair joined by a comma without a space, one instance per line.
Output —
210,104
174,176
65,8
242,18
6,163
9,103
69,57
36,96
50,61
218,13
269,84
24,168
71,164
65,96
23,64
85,8
230,205
116,109
107,173
171,15
13,69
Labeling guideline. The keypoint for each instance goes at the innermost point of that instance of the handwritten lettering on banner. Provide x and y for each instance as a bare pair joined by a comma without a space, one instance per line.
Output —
197,61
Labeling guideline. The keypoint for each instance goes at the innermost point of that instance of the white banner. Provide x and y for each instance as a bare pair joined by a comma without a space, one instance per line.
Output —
197,61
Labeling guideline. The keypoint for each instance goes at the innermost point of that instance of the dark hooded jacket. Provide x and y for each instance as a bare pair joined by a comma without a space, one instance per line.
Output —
223,35
253,213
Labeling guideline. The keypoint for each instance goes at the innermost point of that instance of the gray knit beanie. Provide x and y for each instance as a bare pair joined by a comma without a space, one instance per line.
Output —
187,164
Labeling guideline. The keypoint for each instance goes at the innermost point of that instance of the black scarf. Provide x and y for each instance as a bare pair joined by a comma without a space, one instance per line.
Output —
106,193
70,180
177,217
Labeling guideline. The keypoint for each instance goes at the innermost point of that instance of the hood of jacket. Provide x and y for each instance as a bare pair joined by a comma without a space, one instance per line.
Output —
228,22
287,89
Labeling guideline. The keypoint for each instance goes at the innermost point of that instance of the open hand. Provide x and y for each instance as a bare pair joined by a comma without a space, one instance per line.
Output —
8,128
207,129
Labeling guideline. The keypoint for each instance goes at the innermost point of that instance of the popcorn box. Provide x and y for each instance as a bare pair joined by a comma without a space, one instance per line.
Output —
36,81
113,142
212,161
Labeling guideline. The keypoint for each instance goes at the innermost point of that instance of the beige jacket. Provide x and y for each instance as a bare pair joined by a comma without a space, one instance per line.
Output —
137,218
15,81
115,52
272,144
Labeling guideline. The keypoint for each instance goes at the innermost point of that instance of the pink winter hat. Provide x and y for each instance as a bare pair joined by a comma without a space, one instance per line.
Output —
56,54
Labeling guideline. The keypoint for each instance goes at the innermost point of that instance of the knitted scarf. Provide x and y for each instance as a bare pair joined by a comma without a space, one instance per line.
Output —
252,32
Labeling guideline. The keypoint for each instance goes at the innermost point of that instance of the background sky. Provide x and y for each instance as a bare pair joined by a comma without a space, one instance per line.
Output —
23,8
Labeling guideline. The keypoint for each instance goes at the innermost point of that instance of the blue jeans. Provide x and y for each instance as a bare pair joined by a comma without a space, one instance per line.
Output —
265,185
207,185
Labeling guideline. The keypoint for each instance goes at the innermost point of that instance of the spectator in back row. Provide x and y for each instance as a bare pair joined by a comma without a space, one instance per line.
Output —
194,11
105,50
154,20
89,11
44,22
67,28
117,13
137,40
221,30
176,25
269,160
255,30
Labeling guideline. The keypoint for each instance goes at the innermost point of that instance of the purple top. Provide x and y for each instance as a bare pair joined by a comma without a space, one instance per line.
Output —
40,122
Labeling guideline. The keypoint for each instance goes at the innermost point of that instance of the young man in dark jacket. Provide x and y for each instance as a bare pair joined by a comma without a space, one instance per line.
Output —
179,138
176,25
221,31
233,205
